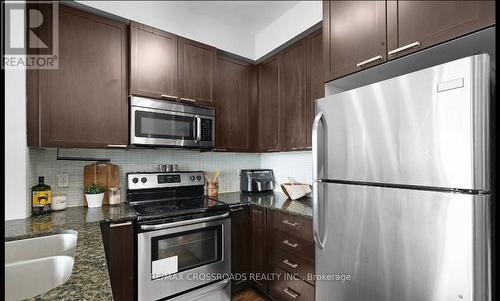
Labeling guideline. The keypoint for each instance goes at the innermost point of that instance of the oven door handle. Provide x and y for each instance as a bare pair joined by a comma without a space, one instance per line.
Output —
184,223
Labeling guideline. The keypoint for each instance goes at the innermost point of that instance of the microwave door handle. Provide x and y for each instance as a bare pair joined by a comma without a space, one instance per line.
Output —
198,129
195,129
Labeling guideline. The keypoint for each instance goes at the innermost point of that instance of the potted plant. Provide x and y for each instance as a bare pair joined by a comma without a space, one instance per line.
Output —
94,193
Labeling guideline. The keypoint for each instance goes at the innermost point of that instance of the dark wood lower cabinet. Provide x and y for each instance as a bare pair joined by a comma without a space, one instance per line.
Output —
119,245
285,286
259,246
240,246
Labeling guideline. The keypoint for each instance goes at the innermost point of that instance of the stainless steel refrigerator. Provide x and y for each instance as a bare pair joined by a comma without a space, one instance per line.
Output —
401,187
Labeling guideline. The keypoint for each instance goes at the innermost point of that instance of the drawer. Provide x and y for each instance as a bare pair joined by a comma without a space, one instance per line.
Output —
282,288
298,226
292,244
292,264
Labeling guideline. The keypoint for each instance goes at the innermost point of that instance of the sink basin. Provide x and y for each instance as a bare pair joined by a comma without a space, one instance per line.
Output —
28,278
36,265
38,247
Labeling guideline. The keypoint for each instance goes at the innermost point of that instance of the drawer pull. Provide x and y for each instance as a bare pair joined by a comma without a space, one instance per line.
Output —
290,292
237,209
117,145
286,222
290,264
293,245
120,224
368,61
272,149
168,96
406,47
188,99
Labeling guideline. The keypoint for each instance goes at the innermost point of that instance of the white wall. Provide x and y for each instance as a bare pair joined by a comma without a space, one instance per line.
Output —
299,18
169,16
16,205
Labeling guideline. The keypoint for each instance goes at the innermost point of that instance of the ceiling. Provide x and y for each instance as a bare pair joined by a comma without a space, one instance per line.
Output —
249,16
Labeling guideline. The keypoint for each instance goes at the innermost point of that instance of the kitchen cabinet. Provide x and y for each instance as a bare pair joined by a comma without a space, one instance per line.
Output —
387,30
416,25
84,102
153,62
196,71
240,245
269,106
286,288
315,78
292,94
119,244
259,246
233,105
354,36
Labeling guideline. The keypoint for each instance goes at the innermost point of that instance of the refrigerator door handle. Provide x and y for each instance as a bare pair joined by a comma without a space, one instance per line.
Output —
318,151
317,219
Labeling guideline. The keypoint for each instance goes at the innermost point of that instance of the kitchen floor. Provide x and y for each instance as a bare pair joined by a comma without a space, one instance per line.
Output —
248,295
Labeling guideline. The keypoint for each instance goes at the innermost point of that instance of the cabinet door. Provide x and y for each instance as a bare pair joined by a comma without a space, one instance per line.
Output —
269,106
240,243
84,103
196,71
259,245
292,86
315,78
153,62
232,129
119,247
415,25
354,36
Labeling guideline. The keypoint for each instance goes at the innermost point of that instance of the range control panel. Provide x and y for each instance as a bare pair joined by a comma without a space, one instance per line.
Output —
147,180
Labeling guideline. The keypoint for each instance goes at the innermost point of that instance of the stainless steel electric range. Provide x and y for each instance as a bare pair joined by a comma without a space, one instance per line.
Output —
183,238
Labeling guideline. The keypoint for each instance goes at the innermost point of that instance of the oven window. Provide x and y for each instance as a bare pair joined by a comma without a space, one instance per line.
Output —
179,252
166,126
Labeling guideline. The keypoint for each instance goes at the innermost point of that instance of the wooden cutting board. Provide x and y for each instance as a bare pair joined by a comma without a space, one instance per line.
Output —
102,173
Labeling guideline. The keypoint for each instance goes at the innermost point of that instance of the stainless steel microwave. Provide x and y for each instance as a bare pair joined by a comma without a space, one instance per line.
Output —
160,123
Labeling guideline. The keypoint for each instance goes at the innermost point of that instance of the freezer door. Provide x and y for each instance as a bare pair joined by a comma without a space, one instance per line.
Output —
395,244
427,128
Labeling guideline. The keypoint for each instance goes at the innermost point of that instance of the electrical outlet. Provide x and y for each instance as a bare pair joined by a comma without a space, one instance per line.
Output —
63,180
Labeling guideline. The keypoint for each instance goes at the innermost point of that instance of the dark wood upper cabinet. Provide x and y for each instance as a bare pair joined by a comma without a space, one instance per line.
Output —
354,36
315,78
233,105
269,106
196,71
258,244
153,62
292,87
240,243
84,102
416,25
119,243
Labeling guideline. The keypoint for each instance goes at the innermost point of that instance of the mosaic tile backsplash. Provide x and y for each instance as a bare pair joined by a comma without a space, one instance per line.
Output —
44,163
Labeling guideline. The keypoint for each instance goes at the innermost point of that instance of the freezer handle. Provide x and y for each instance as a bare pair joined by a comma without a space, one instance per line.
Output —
318,147
317,219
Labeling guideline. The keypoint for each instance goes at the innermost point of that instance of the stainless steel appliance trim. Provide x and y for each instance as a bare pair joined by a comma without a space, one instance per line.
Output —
120,224
370,60
481,124
317,220
291,292
184,223
167,142
291,264
293,245
482,248
403,48
143,102
317,156
197,294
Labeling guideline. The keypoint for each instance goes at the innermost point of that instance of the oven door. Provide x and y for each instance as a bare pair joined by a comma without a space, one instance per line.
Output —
149,126
182,258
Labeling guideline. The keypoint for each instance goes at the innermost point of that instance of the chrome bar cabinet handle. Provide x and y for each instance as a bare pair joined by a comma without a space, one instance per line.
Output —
286,222
290,264
368,61
406,47
290,292
293,245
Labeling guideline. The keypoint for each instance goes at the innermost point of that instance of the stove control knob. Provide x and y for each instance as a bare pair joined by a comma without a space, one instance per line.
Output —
135,180
198,178
144,180
192,178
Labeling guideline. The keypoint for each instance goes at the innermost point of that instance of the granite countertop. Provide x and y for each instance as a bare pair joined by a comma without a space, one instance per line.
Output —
89,279
273,200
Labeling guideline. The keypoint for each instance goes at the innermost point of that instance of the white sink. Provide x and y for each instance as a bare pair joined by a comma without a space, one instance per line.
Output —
36,265
28,278
38,247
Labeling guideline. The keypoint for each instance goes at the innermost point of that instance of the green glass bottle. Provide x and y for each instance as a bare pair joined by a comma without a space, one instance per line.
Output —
41,197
